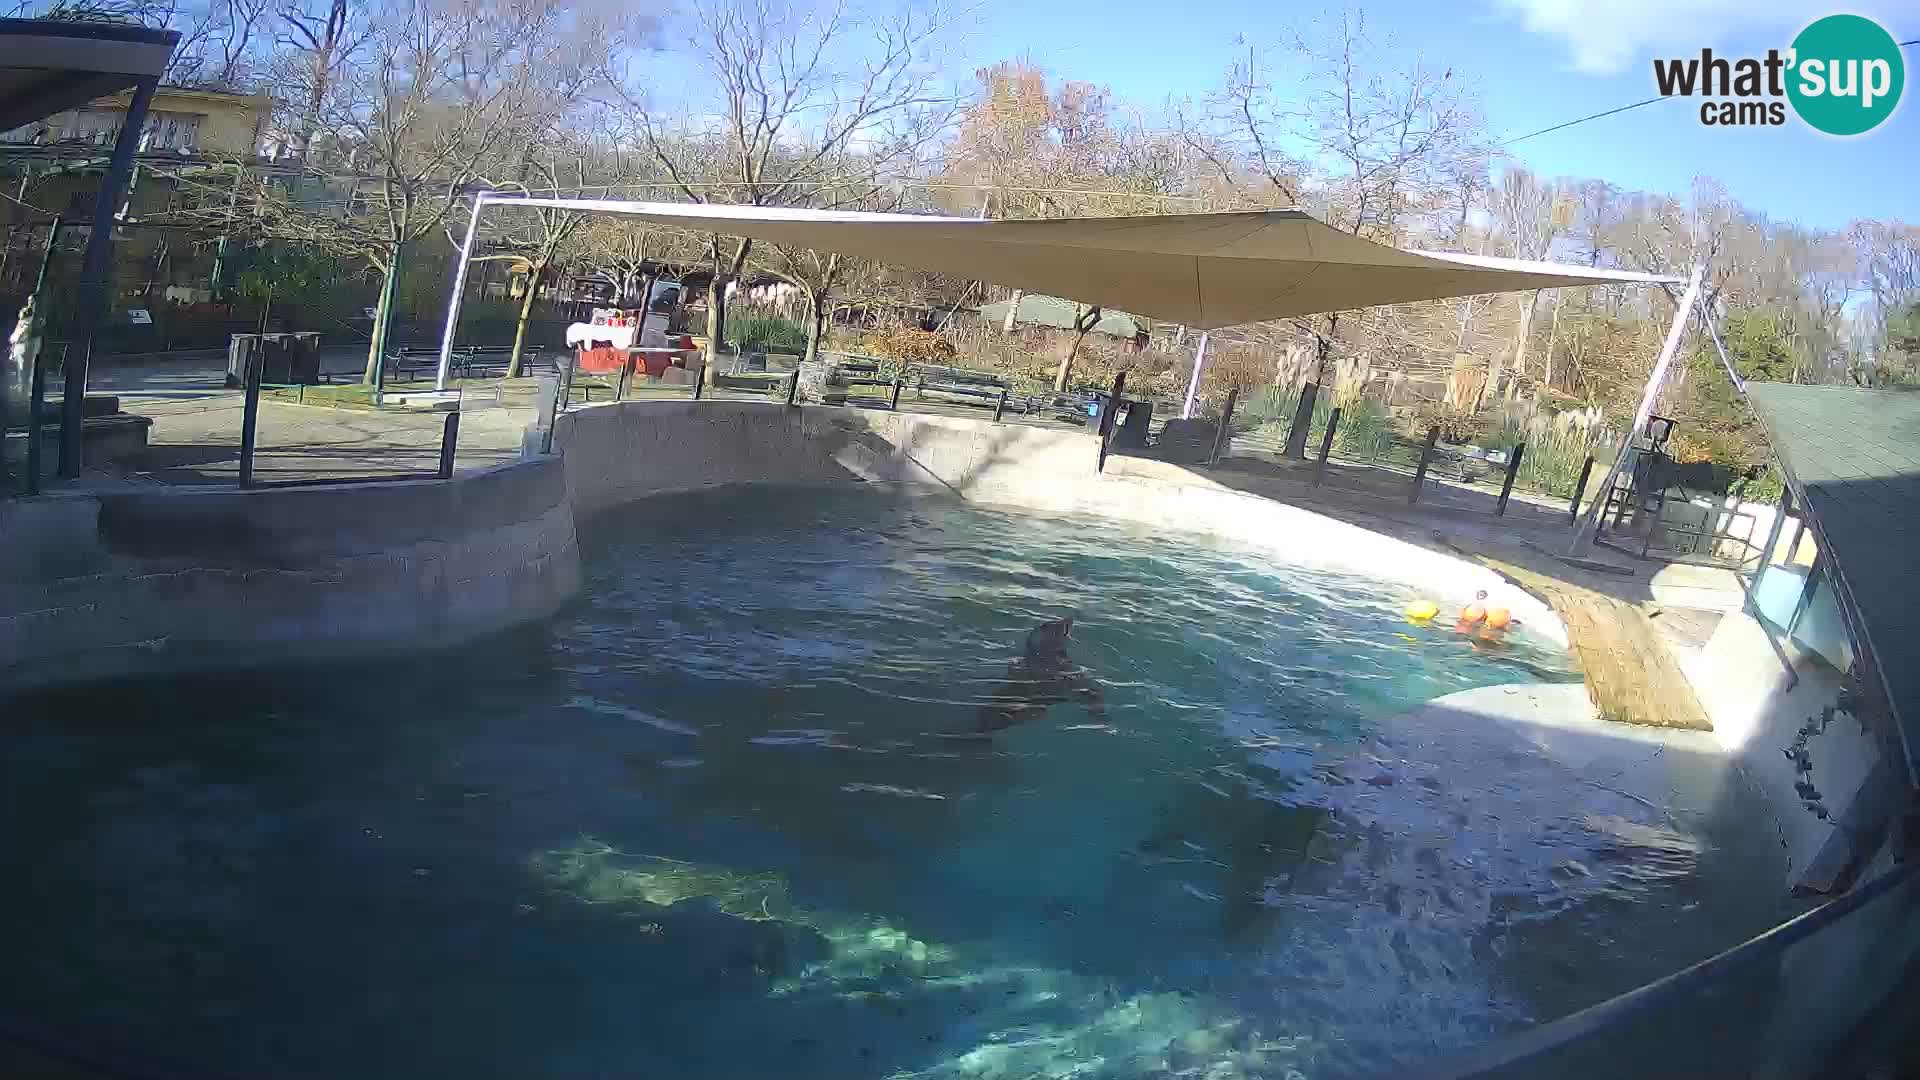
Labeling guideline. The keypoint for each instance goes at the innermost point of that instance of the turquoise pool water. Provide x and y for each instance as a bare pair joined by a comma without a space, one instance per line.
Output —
736,815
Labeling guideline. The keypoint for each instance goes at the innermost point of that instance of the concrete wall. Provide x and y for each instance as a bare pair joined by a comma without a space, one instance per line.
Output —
617,453
169,579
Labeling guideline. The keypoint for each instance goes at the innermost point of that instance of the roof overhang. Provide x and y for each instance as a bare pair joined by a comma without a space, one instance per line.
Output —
48,66
1852,456
1200,270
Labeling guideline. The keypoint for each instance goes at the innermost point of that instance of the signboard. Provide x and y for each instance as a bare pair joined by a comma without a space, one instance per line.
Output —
139,316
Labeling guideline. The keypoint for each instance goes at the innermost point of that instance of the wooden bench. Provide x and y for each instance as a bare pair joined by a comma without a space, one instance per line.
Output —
408,361
772,383
854,369
970,387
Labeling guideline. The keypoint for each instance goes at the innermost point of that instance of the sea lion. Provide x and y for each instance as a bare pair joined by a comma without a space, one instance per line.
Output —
1043,676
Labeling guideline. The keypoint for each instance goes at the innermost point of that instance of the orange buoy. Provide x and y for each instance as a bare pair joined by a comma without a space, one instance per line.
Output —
1499,618
1473,613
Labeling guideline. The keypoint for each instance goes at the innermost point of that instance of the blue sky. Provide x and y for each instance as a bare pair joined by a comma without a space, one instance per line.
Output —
1538,63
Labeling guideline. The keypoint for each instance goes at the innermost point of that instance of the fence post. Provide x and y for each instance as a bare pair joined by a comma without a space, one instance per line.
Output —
449,438
998,408
36,400
1326,447
1107,416
565,398
1780,511
1420,474
793,388
1223,435
1513,470
626,375
895,403
250,416
700,382
552,406
1579,489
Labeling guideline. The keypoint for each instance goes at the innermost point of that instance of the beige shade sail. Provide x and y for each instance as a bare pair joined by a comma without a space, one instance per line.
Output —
1201,270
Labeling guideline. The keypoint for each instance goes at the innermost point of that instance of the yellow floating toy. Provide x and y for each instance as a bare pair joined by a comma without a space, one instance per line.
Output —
1422,610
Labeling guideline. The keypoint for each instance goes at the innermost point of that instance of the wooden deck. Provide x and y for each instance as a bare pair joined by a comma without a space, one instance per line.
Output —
1631,675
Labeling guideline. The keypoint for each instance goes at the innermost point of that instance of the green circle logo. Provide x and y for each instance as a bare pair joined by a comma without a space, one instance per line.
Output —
1846,75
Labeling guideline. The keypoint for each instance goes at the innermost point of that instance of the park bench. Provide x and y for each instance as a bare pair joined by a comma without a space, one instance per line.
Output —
854,369
968,387
770,383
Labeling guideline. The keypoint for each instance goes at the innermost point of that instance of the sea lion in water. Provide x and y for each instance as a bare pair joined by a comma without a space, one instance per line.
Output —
1042,677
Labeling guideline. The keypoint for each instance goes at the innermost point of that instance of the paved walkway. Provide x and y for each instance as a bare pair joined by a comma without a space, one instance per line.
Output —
196,430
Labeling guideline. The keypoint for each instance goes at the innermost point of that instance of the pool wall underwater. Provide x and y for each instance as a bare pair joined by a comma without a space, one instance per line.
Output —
172,580
162,580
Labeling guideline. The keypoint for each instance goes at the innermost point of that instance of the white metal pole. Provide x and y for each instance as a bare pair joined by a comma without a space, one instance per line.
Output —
1713,333
459,292
1193,384
1583,536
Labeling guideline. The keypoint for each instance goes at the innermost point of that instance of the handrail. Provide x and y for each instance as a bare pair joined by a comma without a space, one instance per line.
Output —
1523,1046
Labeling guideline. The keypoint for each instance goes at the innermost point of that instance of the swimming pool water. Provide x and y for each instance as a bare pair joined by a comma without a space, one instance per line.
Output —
734,814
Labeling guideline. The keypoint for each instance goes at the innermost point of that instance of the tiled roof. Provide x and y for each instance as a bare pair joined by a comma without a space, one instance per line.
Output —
1853,457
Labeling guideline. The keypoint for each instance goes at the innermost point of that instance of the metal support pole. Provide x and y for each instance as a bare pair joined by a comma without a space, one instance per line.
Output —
999,407
1223,435
793,388
36,401
1107,416
1583,533
1420,473
250,416
459,291
898,384
700,382
1326,447
449,439
1713,334
36,375
1513,470
1579,489
94,273
626,376
1780,513
1193,383
1807,592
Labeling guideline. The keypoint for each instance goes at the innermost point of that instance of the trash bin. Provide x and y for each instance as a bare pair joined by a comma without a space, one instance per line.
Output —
1134,428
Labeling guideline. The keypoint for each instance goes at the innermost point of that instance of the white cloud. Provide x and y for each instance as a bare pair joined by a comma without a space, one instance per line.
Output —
1605,39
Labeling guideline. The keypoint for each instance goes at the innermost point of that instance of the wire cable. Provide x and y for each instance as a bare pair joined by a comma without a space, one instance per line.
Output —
1624,108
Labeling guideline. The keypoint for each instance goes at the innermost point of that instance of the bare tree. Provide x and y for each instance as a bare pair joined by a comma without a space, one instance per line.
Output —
440,93
1085,318
799,104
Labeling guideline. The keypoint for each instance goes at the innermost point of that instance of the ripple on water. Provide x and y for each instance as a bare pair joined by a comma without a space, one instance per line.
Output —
740,818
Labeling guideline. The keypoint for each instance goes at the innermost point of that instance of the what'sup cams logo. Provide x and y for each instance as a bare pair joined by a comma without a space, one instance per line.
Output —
1843,75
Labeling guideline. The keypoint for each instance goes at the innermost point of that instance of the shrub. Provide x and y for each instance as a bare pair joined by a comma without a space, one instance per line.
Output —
909,345
1455,428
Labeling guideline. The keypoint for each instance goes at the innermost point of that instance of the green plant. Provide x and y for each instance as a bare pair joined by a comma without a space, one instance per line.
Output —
1768,487
765,332
1366,430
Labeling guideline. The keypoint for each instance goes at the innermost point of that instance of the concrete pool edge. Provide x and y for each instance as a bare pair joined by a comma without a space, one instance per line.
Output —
618,453
170,580
159,580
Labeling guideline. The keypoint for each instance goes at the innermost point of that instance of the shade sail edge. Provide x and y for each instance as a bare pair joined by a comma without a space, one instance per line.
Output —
1184,269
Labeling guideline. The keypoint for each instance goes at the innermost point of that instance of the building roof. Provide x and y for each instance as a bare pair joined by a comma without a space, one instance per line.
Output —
1852,456
1200,270
49,66
1061,314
